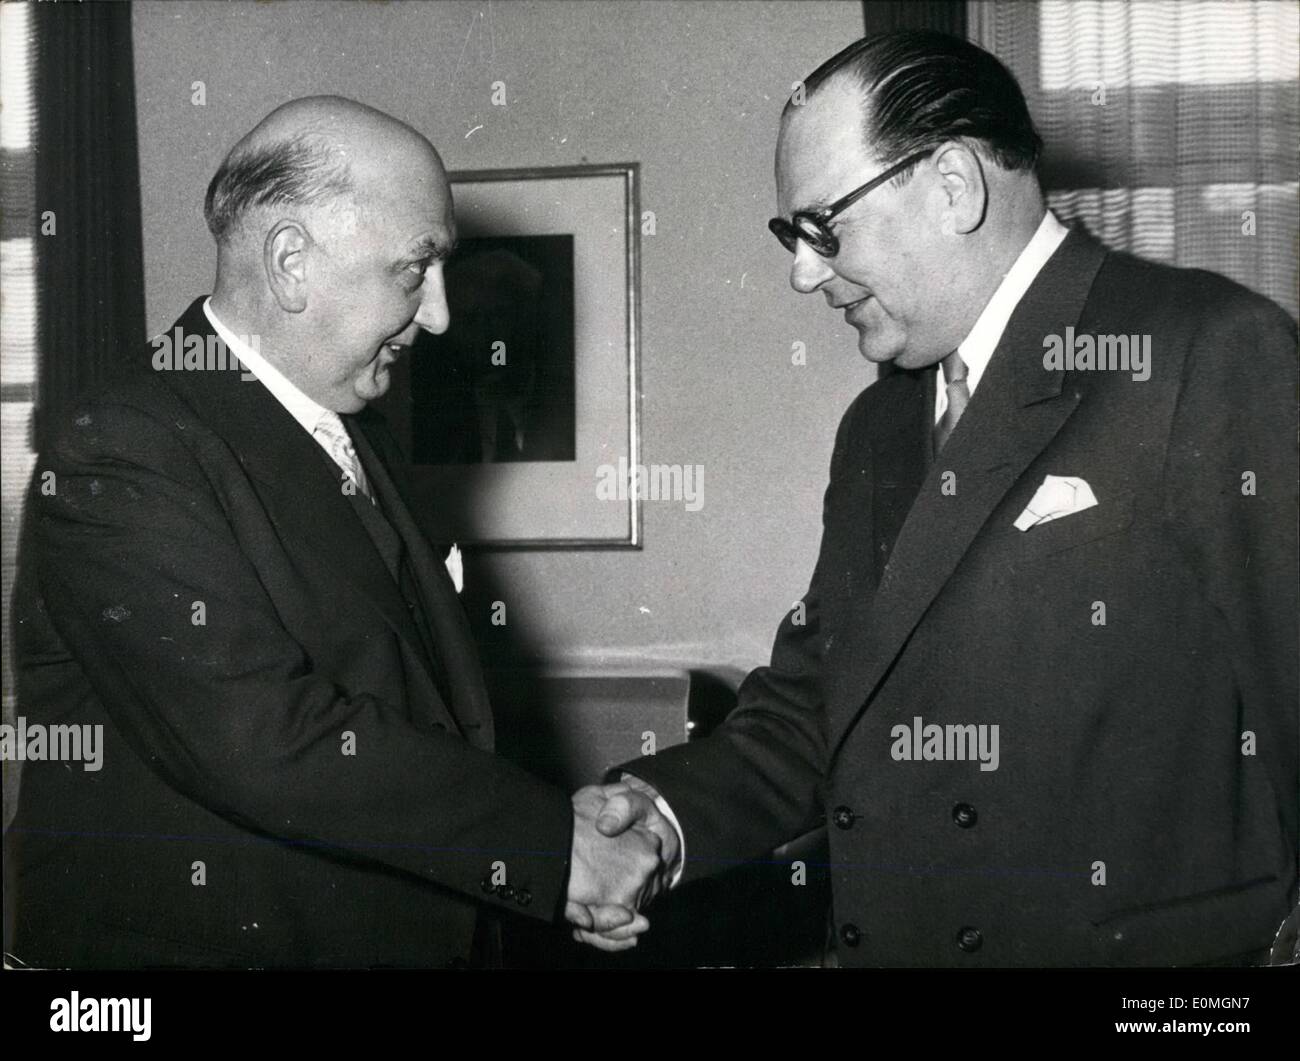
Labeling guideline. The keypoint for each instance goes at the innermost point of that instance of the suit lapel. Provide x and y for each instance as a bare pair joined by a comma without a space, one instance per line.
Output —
1017,410
451,634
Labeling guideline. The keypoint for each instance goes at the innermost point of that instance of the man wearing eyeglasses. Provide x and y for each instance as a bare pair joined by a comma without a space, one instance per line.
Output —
1042,688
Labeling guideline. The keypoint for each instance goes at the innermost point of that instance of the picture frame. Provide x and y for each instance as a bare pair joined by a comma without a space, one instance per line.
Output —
532,397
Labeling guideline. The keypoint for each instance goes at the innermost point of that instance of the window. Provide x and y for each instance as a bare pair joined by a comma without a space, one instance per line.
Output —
19,303
1171,125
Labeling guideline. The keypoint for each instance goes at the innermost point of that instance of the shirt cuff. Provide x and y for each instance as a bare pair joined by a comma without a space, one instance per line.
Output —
667,812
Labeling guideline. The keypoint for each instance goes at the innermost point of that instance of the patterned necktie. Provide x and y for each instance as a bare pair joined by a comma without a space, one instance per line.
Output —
954,373
331,430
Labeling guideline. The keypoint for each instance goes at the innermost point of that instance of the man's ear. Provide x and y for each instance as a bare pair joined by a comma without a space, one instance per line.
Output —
284,257
964,188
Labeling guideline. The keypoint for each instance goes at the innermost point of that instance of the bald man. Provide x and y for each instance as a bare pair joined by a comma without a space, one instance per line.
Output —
222,584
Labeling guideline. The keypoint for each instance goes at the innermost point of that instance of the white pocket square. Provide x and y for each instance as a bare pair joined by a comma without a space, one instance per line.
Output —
456,567
1060,495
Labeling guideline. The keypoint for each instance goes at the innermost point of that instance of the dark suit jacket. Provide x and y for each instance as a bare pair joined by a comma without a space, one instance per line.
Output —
1121,745
225,739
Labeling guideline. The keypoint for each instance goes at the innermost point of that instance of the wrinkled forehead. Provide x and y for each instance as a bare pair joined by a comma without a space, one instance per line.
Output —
820,153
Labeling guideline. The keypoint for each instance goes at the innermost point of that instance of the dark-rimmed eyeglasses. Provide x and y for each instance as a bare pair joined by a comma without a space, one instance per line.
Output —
813,226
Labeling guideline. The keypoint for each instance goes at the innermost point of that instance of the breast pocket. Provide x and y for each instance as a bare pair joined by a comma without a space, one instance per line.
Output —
1103,520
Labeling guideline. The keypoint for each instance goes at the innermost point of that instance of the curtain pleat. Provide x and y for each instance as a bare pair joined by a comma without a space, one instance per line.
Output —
90,272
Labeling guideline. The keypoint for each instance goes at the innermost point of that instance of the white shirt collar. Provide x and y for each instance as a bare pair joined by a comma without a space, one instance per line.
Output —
302,408
977,348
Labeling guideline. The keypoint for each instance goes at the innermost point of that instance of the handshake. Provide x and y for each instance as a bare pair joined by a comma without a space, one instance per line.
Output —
625,852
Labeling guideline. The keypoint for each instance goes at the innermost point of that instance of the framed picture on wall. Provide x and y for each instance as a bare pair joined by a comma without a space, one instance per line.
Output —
521,420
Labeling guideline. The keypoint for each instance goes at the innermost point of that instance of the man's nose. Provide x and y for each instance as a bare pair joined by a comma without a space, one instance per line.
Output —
434,316
809,270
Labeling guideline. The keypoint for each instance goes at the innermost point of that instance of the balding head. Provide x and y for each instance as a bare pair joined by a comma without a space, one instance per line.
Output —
332,220
308,155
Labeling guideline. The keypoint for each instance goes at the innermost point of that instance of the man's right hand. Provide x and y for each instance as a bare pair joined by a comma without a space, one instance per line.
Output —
621,813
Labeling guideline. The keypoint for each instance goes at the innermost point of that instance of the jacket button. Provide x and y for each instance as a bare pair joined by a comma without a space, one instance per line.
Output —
843,817
970,939
964,815
850,934
524,897
487,885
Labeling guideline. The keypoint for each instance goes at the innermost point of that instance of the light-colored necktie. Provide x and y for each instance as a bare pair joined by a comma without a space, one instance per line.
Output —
331,430
954,374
